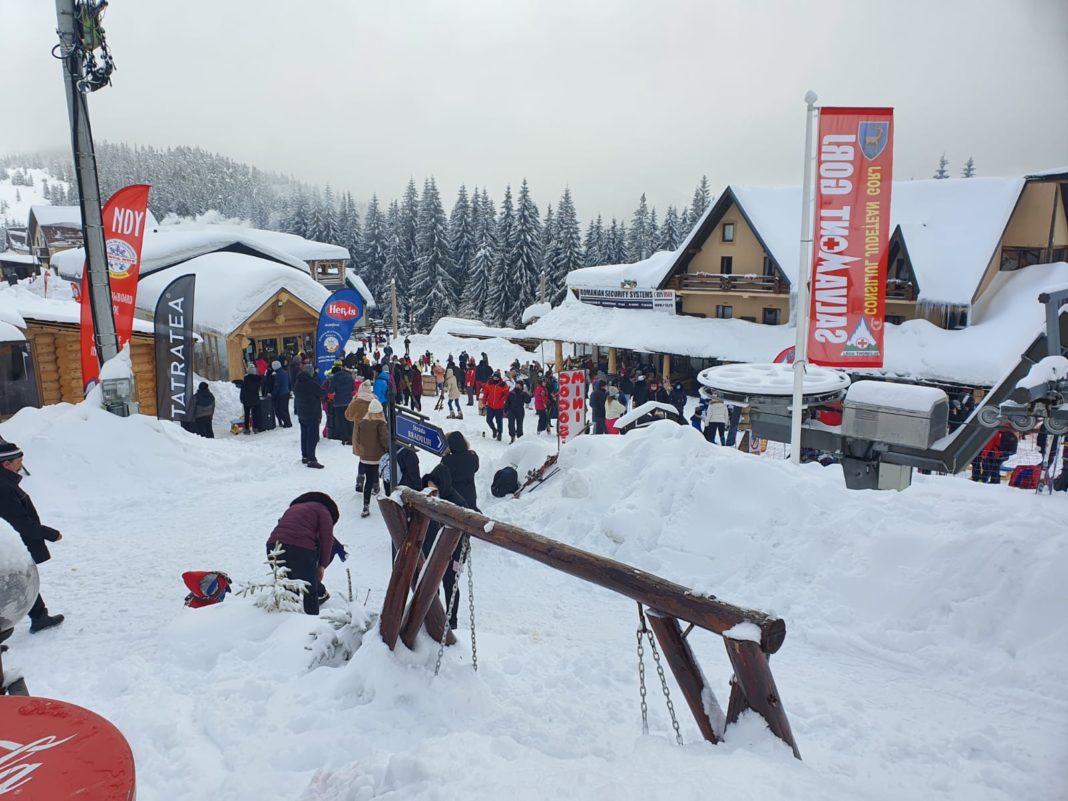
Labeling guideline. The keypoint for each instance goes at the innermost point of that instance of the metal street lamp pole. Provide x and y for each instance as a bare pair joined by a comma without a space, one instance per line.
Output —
804,272
98,286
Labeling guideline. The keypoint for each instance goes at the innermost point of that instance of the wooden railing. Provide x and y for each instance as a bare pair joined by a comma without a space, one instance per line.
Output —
714,282
750,637
900,290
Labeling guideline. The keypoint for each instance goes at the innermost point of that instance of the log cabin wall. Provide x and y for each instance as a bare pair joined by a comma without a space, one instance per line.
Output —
58,363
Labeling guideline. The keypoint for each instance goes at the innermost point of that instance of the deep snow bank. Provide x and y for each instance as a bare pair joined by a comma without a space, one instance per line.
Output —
945,565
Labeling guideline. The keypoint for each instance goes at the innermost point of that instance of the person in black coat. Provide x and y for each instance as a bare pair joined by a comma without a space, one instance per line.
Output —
308,404
342,386
18,510
515,409
440,479
678,400
597,400
203,410
463,464
641,391
250,394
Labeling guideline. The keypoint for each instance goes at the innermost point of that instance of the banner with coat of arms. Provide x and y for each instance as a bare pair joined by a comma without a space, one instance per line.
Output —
850,237
124,232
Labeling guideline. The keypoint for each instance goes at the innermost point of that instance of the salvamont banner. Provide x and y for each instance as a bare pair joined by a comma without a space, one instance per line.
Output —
174,350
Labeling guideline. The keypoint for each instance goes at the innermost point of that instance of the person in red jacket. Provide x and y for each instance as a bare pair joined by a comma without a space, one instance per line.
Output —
542,398
494,397
986,467
469,381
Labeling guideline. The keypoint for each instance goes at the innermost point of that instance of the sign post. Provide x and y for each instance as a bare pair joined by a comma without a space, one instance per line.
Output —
416,430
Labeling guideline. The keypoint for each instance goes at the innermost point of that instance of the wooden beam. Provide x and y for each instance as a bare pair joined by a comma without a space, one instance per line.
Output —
638,585
688,674
754,676
427,590
409,555
398,531
611,361
558,353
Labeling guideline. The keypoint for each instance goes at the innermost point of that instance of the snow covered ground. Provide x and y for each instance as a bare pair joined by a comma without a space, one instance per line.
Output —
925,657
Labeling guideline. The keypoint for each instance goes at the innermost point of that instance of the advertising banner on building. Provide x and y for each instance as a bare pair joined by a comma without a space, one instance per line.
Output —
124,232
174,350
662,300
851,231
338,317
571,407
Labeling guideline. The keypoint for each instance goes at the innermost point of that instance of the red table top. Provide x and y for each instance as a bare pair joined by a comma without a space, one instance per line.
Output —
53,751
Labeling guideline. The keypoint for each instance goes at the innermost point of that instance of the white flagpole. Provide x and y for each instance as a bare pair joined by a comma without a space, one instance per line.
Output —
803,277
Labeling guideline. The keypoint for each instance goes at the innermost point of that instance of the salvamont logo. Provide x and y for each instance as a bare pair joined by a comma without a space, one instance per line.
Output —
16,767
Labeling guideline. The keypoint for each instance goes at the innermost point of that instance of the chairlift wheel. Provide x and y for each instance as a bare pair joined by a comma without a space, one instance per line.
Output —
1056,427
1023,422
989,417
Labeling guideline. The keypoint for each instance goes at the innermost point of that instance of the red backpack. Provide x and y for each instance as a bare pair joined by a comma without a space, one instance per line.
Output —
206,587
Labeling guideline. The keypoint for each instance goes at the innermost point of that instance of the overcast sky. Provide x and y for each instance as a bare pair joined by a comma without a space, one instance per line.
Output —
611,98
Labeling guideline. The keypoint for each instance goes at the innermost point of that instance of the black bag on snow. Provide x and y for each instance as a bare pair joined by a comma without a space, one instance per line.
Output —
263,415
505,482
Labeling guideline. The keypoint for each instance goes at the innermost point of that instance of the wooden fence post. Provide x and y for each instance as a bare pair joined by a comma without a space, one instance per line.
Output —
409,555
753,675
397,524
427,590
687,673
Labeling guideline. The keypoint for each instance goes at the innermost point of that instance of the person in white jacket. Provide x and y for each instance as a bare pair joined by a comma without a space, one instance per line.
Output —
715,421
613,410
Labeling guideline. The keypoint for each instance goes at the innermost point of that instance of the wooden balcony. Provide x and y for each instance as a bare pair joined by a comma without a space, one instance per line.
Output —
750,283
897,289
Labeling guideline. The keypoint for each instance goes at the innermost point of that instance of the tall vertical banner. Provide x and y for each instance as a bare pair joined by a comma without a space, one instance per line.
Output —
174,349
338,317
124,233
852,227
571,406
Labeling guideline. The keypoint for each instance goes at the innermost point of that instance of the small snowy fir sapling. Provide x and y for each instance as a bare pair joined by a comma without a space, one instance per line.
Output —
969,168
279,593
339,634
942,172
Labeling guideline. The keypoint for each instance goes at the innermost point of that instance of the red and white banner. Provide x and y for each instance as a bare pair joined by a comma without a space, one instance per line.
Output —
124,232
571,406
852,227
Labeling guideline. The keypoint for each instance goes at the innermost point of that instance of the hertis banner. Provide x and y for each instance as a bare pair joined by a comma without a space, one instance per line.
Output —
339,315
124,232
174,349
851,230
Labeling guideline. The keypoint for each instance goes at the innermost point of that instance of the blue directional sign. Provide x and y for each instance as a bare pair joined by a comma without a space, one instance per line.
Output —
421,435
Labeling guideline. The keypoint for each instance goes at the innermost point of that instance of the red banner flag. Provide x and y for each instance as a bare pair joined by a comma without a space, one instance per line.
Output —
854,173
124,232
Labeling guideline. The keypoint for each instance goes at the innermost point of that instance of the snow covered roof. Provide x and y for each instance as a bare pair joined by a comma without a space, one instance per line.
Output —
230,287
290,244
358,284
11,257
951,228
646,274
1004,322
72,215
463,327
23,302
535,310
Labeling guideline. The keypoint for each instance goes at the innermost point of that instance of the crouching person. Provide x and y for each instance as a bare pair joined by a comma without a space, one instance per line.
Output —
306,533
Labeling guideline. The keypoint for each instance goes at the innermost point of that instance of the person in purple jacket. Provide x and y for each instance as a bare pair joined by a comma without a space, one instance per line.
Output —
306,533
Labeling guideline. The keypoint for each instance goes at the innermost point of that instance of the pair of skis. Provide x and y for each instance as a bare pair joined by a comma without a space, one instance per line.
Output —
538,476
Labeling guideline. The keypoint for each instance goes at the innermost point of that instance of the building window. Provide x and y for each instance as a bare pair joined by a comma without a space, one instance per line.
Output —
18,384
955,317
895,319
1058,254
728,232
770,316
724,312
1018,258
769,267
726,265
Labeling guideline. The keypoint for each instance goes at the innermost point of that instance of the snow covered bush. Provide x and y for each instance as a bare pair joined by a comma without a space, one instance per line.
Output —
279,593
339,634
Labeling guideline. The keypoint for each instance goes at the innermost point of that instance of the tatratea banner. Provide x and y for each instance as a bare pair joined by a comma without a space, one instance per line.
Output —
854,172
174,350
124,232
339,315
571,406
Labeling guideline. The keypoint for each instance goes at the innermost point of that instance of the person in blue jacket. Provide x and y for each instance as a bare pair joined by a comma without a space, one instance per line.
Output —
381,385
280,395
